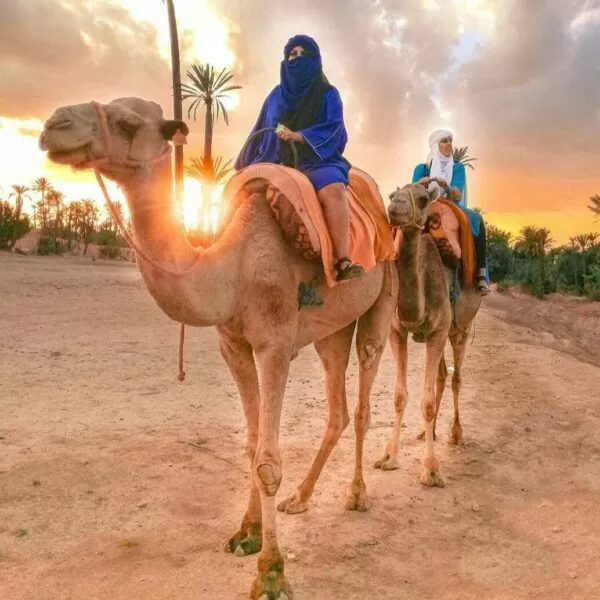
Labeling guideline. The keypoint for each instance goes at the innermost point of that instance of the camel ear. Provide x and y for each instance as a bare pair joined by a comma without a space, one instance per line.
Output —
170,127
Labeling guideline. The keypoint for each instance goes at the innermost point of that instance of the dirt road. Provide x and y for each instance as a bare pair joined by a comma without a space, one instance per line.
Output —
101,498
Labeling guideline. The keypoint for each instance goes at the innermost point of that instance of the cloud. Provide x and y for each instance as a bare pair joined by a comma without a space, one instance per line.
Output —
523,93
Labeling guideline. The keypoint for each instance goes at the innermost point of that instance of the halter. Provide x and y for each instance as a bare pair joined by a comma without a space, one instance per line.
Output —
413,205
135,164
142,165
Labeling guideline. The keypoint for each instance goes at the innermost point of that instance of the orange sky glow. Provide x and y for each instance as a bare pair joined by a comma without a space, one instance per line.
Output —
532,120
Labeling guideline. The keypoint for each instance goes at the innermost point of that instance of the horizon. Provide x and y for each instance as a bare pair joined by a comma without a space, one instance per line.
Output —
527,110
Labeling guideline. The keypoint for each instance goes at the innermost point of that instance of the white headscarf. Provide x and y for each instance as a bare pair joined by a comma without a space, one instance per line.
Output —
441,166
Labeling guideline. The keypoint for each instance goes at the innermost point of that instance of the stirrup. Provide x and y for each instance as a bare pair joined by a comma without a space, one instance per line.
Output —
350,271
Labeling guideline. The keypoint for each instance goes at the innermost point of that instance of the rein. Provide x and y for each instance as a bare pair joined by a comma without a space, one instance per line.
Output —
414,212
137,164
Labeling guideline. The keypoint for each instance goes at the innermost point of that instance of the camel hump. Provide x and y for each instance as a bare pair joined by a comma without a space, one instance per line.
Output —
449,227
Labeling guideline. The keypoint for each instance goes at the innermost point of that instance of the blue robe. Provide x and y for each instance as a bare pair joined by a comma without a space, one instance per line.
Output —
459,181
327,139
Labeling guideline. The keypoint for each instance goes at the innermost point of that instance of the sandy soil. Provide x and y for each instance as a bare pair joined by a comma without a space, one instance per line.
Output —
101,497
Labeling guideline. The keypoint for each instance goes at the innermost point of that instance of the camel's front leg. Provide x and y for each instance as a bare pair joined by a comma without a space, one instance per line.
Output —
440,386
334,352
238,356
430,474
273,364
398,342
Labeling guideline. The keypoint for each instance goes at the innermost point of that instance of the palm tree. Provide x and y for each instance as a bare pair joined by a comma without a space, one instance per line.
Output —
212,173
595,204
461,155
87,222
177,99
208,89
55,201
528,241
19,193
42,186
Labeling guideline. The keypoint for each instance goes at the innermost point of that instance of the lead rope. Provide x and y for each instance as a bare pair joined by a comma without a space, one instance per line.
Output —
128,238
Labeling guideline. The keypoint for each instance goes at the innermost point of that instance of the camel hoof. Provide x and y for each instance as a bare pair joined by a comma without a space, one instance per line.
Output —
421,436
358,499
271,586
387,463
244,543
292,505
431,478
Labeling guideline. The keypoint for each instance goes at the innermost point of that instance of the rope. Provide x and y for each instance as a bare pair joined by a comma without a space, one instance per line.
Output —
260,132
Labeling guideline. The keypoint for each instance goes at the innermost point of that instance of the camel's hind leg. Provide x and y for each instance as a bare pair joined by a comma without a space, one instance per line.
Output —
238,356
398,343
334,352
372,334
430,474
458,340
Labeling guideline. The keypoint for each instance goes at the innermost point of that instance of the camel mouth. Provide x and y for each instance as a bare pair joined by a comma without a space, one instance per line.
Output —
75,157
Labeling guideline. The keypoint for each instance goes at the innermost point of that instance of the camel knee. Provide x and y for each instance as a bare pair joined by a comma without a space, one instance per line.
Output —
428,408
400,400
368,353
337,425
267,473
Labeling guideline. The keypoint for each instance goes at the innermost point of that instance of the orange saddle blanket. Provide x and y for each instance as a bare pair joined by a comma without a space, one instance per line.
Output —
449,227
295,205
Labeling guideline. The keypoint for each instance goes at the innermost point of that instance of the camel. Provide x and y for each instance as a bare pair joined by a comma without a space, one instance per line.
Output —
425,310
246,285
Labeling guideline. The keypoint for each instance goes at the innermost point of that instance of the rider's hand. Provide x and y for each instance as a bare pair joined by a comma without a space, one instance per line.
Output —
288,135
424,181
442,182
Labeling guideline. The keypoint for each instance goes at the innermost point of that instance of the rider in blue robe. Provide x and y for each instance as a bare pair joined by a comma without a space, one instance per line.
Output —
308,110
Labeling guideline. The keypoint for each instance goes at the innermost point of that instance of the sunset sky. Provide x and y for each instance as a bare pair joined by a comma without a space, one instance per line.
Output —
518,81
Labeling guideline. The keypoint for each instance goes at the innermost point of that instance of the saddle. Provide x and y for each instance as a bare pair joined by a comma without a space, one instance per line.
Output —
296,208
449,227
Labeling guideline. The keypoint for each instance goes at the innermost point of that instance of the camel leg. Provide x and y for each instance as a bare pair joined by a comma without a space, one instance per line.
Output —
372,334
459,347
238,356
430,475
440,385
334,352
273,364
398,342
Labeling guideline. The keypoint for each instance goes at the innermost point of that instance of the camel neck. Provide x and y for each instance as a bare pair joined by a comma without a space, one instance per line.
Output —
202,296
411,304
156,225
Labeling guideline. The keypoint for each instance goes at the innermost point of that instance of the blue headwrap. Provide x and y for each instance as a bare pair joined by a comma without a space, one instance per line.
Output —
299,74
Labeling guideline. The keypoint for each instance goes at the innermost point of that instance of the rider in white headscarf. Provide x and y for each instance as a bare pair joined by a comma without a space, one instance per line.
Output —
441,174
441,166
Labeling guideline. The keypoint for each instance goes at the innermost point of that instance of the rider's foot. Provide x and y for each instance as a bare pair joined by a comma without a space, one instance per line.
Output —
482,285
346,269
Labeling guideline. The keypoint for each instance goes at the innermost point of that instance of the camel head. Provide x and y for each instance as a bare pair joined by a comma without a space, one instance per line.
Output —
408,206
119,138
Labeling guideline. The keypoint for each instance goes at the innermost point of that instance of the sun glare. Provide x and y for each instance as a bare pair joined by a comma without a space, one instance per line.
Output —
202,206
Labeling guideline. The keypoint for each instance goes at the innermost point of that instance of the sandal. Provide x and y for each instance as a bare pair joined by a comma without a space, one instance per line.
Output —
349,271
482,285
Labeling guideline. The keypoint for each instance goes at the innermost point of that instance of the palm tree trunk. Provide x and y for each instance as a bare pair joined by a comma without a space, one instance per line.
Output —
208,134
177,101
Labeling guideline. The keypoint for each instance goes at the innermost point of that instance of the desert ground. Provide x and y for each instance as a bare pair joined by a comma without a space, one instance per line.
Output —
102,496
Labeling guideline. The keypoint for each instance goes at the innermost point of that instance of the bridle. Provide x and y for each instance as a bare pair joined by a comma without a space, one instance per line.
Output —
413,204
95,163
145,165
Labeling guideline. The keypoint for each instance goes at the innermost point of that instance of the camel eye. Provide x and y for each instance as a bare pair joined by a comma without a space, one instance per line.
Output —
423,201
129,128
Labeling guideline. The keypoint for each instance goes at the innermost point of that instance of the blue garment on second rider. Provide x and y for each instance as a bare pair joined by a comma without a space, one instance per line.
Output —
326,138
459,181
